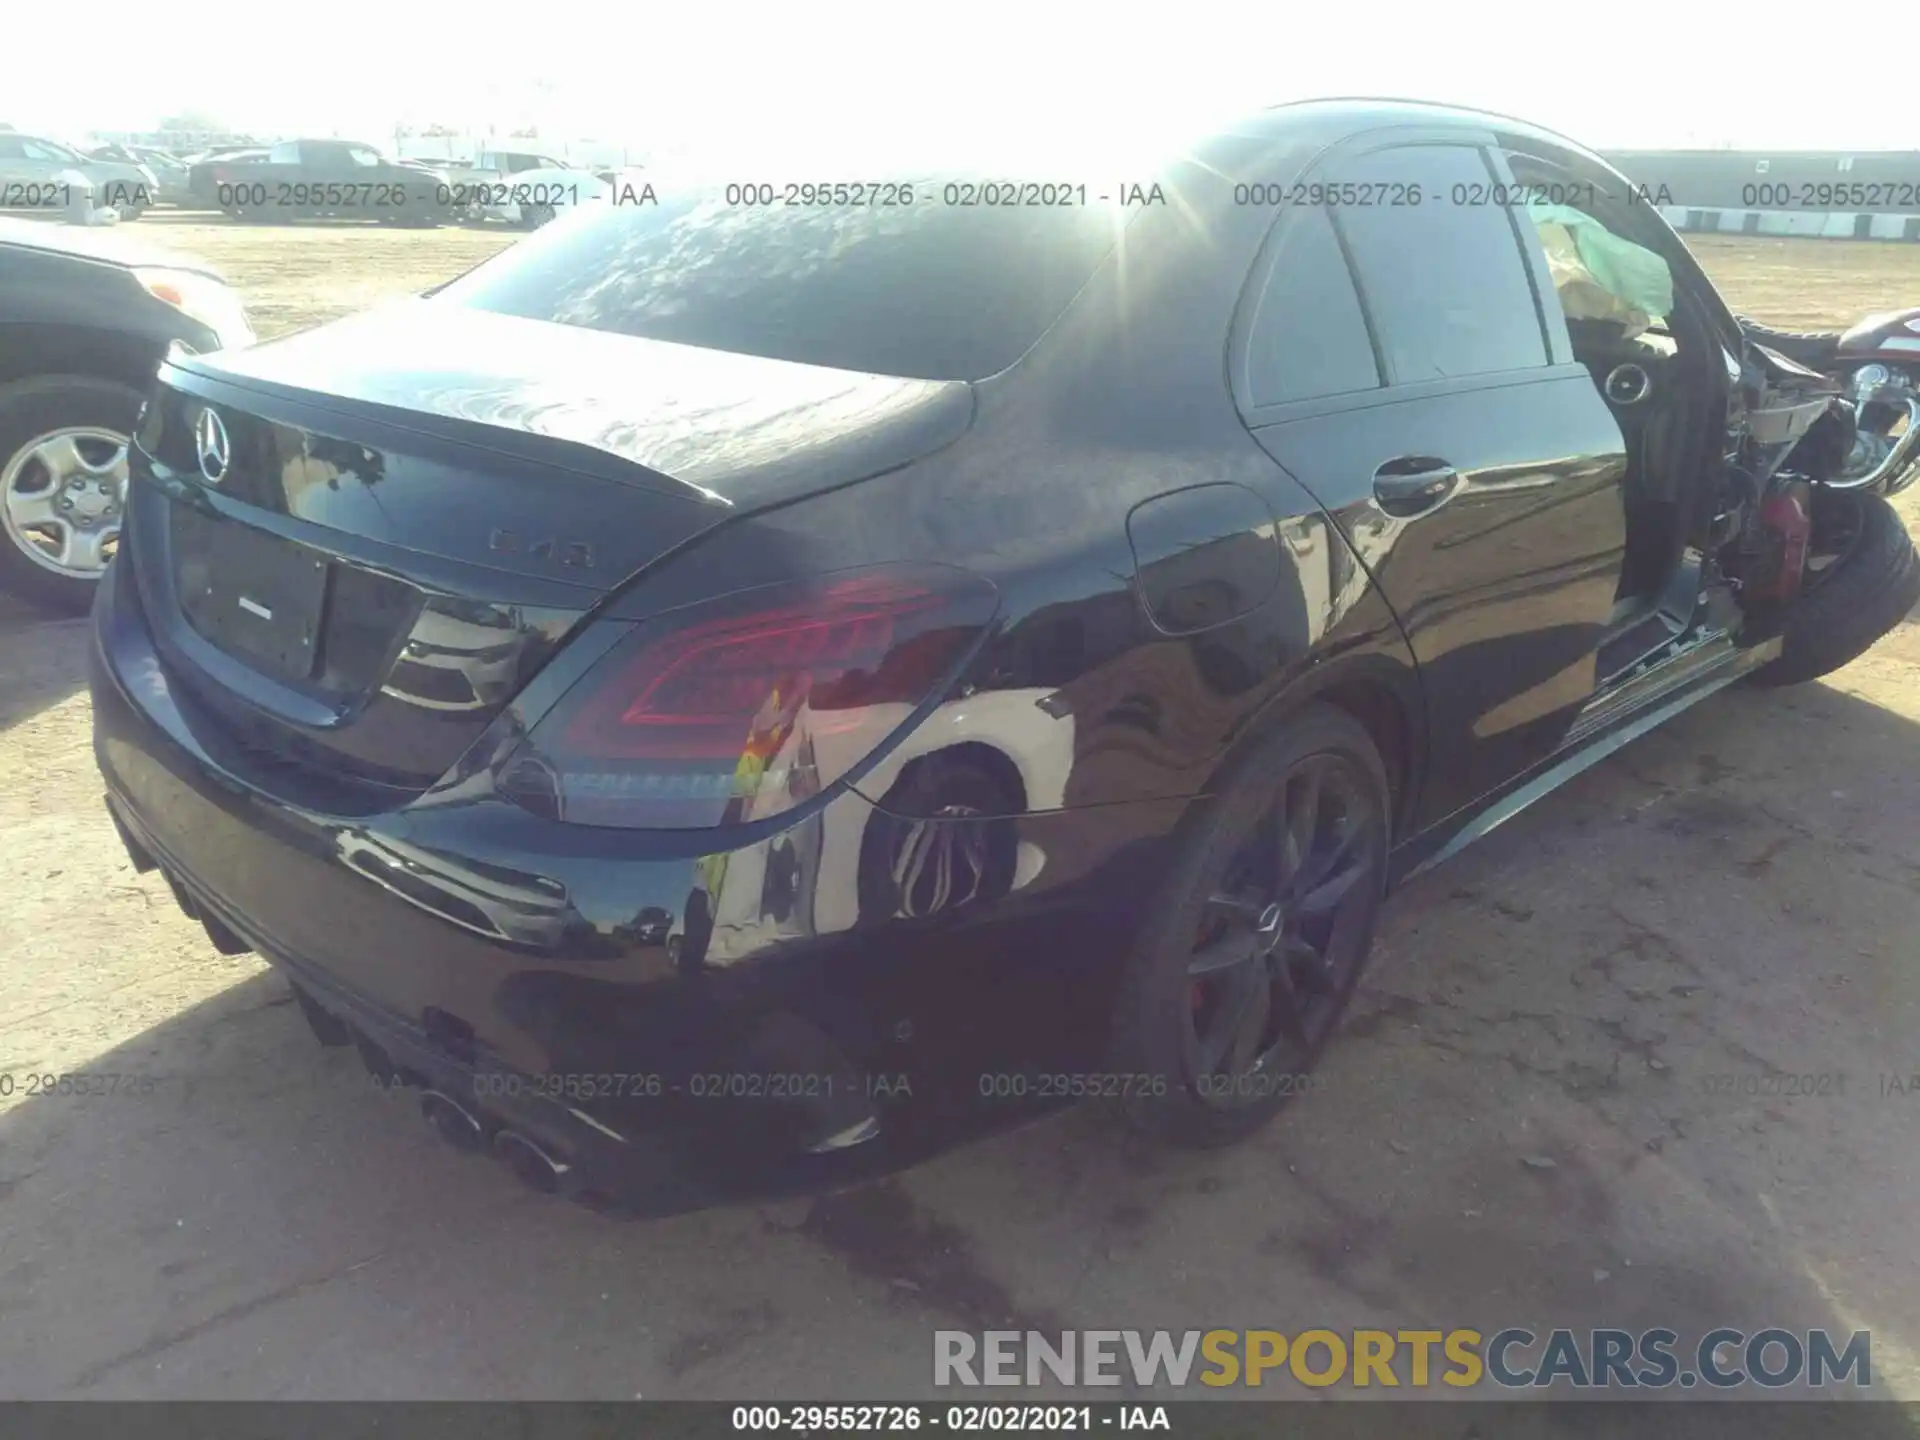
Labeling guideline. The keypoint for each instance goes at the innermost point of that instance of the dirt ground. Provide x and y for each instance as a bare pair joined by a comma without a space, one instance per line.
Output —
296,276
1562,1098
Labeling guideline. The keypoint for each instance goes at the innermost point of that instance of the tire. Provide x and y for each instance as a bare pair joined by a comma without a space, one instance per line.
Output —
532,217
1867,590
30,412
1167,1013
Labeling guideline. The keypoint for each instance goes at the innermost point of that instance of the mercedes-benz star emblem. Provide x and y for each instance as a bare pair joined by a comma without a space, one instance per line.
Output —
210,439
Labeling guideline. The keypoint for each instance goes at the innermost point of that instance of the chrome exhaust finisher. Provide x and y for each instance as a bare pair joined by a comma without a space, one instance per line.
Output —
457,1125
859,1133
538,1168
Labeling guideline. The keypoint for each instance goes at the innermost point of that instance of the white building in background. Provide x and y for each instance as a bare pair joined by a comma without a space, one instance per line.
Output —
591,154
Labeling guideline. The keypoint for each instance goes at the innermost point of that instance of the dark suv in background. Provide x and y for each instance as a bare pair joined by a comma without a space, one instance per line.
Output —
86,317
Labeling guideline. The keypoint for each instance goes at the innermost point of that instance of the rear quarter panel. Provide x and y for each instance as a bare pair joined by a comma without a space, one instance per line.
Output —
1124,401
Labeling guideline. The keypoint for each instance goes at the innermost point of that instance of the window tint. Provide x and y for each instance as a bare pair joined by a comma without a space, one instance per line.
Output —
1444,281
1308,337
361,155
925,289
285,154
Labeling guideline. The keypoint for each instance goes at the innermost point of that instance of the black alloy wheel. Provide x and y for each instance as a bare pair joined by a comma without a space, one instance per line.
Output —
1241,979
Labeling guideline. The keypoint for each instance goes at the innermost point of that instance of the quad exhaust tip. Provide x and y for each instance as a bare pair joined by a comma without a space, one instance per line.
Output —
535,1165
457,1125
538,1168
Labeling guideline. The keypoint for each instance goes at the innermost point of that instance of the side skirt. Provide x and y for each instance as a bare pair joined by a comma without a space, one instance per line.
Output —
1614,719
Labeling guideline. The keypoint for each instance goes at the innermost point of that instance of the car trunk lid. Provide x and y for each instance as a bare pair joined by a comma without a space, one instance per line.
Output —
354,547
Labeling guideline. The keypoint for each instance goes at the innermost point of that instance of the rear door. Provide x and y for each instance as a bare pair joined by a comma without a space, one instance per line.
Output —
1392,357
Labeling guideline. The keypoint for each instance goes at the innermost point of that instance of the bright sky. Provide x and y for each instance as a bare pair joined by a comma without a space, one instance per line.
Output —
1625,73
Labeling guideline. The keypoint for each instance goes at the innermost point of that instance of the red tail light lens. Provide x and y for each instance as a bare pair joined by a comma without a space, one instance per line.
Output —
734,710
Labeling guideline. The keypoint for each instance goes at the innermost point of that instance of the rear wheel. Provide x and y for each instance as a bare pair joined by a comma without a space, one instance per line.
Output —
63,485
1237,984
1862,578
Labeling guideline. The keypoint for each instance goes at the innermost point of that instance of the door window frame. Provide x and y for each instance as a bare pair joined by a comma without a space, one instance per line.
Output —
1557,352
1649,228
1248,325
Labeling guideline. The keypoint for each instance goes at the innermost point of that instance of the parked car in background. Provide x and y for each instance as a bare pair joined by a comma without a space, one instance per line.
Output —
86,316
520,187
169,171
734,697
32,167
211,175
217,152
341,179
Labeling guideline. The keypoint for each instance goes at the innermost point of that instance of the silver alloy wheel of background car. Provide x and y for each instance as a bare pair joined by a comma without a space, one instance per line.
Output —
62,496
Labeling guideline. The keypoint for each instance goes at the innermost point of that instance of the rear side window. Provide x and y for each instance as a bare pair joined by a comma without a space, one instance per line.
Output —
933,288
1444,281
1308,337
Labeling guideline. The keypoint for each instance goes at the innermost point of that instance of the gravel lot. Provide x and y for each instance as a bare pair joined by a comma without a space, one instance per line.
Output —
1737,895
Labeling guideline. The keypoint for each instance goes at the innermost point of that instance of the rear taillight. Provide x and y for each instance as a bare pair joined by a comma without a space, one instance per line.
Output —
736,709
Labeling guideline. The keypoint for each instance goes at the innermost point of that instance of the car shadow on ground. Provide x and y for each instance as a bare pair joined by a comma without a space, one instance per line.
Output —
1581,1087
43,659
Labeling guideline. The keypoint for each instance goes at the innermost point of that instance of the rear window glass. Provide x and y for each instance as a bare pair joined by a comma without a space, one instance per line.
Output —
935,289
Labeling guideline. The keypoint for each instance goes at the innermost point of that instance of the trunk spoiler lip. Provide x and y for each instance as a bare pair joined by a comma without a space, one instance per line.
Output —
192,375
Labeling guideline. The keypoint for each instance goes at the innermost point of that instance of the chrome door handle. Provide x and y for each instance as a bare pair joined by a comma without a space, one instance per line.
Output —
1413,484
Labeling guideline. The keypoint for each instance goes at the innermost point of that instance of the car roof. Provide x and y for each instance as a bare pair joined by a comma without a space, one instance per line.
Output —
1223,141
1343,115
98,244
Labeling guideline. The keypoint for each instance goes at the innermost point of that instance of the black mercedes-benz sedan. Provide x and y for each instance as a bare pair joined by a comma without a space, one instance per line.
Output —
751,686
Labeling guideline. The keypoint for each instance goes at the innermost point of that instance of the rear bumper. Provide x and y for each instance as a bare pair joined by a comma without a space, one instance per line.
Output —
678,1027
640,1169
